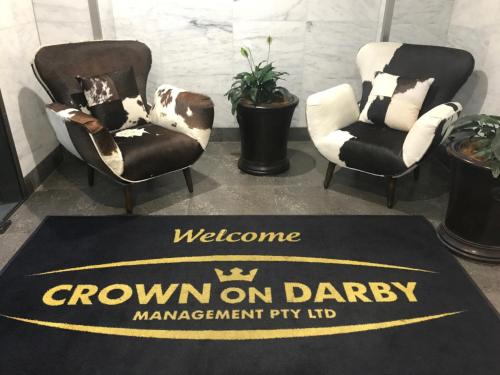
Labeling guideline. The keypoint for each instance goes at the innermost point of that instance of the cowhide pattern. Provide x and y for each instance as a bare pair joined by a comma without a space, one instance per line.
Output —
131,133
329,111
182,111
383,151
103,141
395,101
379,149
373,58
109,151
76,116
429,129
114,99
79,102
99,90
449,67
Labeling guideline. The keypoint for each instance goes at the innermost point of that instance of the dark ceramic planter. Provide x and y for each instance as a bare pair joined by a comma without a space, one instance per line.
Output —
264,136
472,224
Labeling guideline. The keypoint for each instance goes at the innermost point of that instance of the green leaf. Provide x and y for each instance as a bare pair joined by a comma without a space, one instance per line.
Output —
495,146
253,93
258,85
495,168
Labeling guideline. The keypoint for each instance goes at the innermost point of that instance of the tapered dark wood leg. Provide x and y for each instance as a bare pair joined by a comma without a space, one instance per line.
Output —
391,191
416,173
329,174
129,199
187,177
90,175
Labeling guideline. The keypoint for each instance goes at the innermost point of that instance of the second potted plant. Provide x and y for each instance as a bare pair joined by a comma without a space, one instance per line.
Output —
264,113
472,224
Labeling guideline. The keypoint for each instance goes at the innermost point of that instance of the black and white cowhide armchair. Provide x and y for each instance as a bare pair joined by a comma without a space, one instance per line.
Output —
333,115
131,141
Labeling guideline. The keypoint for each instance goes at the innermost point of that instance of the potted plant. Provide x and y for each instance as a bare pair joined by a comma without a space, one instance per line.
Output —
264,112
472,223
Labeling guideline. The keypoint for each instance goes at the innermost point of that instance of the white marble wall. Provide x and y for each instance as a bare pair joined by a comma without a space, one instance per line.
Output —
62,21
465,24
107,19
421,22
196,44
24,26
23,96
474,26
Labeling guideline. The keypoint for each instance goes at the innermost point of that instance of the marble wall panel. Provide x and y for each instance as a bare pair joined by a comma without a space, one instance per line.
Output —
344,11
422,11
197,43
330,56
476,14
421,22
265,10
61,21
107,19
474,27
414,33
23,96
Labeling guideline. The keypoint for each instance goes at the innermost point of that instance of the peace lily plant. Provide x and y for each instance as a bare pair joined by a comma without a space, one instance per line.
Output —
264,113
259,85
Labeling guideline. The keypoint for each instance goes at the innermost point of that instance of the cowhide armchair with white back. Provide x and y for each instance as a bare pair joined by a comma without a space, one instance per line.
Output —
167,136
333,115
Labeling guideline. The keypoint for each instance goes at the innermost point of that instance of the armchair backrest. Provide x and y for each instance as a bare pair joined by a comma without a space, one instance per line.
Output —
56,66
449,67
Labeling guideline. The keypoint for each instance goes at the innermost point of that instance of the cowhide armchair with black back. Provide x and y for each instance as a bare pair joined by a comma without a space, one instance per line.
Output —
121,135
347,139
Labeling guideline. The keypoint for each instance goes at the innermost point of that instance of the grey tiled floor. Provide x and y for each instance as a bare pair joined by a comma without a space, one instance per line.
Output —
220,188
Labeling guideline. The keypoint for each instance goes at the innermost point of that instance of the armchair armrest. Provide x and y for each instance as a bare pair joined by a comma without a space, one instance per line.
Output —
330,110
85,137
75,116
183,111
427,129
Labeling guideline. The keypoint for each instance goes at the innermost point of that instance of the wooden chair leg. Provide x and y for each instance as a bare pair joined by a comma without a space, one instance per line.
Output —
391,191
416,173
90,175
329,174
187,177
129,199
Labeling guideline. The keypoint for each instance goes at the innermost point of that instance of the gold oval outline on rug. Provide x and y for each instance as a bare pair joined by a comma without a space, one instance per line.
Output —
231,258
233,335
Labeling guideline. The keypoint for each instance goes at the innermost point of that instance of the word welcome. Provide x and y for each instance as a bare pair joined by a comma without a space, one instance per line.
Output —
185,293
224,236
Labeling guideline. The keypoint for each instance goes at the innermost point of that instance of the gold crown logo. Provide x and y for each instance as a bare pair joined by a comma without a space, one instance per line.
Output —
236,275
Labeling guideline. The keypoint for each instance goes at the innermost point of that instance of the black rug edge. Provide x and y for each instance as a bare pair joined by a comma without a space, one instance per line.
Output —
421,217
30,237
469,277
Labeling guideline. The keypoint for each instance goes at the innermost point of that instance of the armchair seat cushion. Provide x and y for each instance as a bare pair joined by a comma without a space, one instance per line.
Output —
371,148
150,150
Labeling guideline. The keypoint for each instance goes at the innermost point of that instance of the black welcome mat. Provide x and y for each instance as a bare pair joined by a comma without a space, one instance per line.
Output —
242,295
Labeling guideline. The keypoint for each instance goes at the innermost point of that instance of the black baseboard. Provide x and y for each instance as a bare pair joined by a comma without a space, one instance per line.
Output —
233,135
34,178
